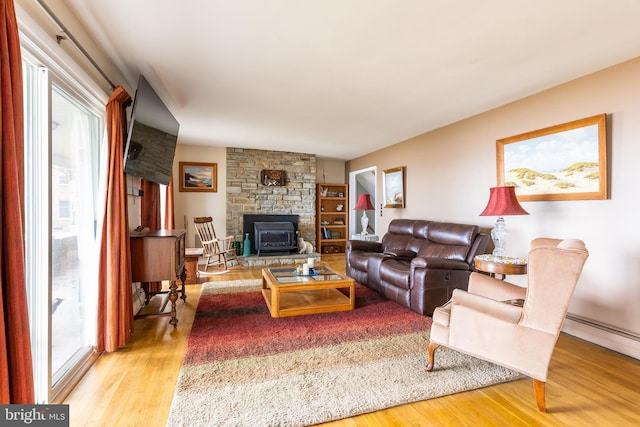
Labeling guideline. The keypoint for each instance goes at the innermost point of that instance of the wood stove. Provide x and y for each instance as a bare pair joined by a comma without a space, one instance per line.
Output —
274,237
271,234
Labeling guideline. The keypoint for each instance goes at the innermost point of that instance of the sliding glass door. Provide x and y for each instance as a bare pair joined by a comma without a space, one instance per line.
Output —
75,144
63,138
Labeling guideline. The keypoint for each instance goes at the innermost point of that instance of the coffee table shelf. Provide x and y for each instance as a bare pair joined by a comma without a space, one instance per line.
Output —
300,295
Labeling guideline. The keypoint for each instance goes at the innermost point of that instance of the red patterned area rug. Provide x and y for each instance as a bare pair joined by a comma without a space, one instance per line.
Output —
244,368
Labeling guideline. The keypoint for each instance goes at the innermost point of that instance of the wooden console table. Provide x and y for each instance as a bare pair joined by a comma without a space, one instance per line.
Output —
156,256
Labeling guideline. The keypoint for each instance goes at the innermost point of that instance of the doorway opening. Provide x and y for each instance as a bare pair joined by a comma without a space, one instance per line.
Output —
363,181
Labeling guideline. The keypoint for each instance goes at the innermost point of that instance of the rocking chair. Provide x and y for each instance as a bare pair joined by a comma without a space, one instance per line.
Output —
219,253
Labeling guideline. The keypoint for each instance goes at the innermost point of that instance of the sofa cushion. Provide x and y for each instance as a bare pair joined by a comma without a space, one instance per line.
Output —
402,226
359,260
420,228
405,234
448,241
396,272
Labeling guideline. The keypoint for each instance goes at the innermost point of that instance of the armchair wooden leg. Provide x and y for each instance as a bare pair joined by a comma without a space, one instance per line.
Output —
431,350
538,389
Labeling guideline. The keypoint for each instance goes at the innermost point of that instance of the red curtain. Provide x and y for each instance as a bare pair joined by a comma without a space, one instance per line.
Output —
150,213
150,205
16,370
115,305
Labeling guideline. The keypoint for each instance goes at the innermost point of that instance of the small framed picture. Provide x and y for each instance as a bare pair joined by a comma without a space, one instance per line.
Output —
393,187
198,177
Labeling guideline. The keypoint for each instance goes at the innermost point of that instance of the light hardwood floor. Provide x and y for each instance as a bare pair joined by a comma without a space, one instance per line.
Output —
587,386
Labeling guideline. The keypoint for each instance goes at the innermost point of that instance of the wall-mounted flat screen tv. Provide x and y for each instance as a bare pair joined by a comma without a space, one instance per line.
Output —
151,138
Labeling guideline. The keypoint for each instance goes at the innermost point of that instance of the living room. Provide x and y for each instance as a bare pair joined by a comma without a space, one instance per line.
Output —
448,173
603,304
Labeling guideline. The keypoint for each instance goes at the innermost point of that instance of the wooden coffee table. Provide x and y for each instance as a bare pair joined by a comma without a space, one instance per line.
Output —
289,294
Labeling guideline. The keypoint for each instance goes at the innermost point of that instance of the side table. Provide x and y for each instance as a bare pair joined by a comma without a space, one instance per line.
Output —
500,265
192,256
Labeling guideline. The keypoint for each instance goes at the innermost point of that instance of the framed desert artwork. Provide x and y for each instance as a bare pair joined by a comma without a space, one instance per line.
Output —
563,162
393,187
198,177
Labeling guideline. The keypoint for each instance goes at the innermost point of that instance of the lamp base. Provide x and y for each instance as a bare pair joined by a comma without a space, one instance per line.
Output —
364,222
499,236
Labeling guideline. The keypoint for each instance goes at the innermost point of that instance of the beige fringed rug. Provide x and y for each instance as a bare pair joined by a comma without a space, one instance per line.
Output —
244,368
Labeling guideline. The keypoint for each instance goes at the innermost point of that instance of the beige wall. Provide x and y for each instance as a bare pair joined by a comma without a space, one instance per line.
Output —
188,204
330,171
449,172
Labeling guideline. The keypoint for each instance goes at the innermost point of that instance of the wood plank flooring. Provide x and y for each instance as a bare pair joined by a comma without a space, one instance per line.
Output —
587,386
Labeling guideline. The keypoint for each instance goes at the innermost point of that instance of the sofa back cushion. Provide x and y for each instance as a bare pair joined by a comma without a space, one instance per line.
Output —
405,234
448,240
430,238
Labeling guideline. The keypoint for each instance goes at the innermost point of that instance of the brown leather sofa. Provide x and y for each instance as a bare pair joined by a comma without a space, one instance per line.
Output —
419,263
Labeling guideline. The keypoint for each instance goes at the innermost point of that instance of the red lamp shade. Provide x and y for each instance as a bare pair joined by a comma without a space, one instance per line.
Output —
364,203
503,201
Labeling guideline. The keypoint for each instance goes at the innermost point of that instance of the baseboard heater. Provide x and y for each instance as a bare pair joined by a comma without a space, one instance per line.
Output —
603,327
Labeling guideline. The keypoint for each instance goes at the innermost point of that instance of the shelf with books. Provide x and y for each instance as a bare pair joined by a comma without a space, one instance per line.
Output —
332,217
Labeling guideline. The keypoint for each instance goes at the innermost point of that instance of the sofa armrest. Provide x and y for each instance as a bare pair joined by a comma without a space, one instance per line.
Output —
508,313
438,263
364,245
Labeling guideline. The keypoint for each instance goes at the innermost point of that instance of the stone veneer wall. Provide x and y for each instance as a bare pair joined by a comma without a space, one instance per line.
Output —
246,195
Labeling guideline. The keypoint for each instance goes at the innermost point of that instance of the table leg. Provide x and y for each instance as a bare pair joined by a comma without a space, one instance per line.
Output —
352,295
145,288
183,277
275,301
173,297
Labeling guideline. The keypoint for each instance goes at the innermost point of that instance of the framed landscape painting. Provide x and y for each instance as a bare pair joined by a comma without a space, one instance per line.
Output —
393,187
199,177
563,162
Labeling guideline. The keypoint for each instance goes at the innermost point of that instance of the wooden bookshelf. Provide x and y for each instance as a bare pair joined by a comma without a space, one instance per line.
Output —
332,217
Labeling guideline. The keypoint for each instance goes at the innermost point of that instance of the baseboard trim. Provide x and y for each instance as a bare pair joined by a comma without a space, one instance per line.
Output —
608,336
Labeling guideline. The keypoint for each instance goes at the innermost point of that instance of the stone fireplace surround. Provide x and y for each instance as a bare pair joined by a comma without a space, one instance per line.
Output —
247,195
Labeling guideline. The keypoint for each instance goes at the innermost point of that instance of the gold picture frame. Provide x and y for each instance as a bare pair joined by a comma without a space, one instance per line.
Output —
198,177
393,187
562,162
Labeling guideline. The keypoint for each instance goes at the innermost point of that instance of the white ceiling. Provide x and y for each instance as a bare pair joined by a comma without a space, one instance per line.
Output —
341,78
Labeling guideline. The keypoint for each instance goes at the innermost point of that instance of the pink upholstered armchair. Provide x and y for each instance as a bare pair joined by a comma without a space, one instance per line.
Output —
480,323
